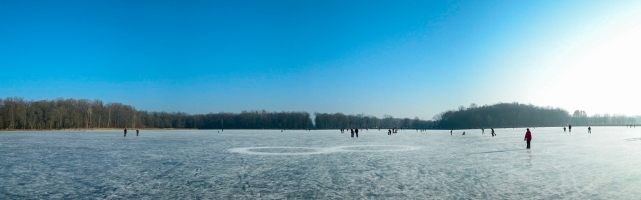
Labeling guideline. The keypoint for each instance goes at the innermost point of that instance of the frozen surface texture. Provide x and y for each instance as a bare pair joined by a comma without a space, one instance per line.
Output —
269,164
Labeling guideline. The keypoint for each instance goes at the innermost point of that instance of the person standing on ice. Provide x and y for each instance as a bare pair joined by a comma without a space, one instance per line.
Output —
493,134
352,132
570,128
589,129
528,138
356,131
125,132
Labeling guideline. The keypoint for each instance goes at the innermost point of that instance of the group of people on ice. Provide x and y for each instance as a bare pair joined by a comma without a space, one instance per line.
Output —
354,131
528,134
137,132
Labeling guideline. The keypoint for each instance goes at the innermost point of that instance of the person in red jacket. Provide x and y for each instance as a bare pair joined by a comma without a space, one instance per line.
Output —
528,137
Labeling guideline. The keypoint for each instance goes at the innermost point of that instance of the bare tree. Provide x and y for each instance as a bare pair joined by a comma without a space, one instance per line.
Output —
89,112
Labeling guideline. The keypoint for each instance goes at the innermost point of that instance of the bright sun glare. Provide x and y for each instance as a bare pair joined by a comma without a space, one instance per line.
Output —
601,76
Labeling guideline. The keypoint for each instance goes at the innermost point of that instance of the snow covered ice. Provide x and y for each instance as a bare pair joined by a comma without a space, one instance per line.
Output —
325,164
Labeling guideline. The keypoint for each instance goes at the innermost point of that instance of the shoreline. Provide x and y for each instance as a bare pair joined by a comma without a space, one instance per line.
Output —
167,129
94,129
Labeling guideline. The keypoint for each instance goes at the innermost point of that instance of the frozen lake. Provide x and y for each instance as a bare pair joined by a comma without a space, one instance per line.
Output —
250,164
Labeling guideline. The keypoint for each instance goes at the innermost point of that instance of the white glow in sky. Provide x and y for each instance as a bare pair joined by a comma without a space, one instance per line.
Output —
601,74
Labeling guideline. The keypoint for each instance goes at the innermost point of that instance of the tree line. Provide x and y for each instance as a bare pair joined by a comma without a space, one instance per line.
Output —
362,121
505,115
17,113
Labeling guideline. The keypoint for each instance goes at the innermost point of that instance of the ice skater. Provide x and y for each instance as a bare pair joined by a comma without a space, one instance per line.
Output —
451,132
463,132
564,129
125,132
356,131
137,131
528,138
352,132
483,130
389,131
570,128
493,134
589,129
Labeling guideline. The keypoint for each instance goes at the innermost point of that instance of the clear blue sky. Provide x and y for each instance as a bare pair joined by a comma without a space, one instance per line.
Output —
401,58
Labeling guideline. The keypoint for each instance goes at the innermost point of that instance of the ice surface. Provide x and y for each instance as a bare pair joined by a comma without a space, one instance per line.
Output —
269,164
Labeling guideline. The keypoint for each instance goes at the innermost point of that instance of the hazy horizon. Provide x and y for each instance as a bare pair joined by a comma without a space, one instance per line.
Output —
409,59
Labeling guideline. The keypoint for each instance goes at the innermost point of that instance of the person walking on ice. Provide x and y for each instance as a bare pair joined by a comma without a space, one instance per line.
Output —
528,138
589,129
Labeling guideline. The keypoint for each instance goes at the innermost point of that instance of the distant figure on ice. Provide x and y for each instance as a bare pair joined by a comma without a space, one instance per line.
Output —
352,132
570,127
564,129
356,131
451,132
137,131
389,131
125,132
589,129
528,138
493,134
463,132
483,130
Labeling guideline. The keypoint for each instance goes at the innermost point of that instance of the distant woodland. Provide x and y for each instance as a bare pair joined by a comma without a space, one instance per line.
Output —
506,115
17,113
340,120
